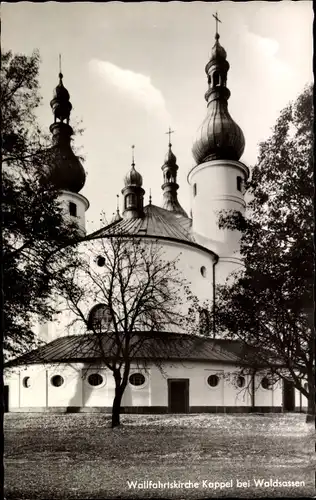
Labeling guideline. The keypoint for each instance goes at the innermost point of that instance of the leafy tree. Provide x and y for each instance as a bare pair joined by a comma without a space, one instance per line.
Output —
136,292
269,306
32,219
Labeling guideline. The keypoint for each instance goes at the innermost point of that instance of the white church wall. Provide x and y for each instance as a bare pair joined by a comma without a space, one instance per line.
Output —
214,188
32,386
139,396
77,392
70,392
81,204
195,265
268,397
101,395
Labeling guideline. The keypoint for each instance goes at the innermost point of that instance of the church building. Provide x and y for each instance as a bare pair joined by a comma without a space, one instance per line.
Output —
54,379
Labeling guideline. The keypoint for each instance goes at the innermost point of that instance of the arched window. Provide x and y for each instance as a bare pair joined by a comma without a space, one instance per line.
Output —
99,318
194,189
239,183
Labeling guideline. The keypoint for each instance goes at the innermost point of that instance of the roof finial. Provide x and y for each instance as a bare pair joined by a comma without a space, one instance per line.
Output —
133,158
117,204
150,196
169,133
60,73
217,21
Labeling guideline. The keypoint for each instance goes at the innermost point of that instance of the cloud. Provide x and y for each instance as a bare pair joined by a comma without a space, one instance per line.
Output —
136,85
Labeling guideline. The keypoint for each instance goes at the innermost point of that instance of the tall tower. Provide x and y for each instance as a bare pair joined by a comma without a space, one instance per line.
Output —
170,186
65,171
218,177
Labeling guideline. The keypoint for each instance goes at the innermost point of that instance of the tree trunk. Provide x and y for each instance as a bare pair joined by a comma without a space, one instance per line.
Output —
120,386
116,409
310,417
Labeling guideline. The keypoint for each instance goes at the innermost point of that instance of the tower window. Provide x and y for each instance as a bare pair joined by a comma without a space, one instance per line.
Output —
194,189
72,209
216,79
130,200
239,183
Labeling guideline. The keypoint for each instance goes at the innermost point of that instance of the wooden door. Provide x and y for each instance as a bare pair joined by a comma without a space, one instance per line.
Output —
178,395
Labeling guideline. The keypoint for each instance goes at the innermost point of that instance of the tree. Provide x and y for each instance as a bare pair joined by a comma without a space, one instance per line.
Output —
269,306
137,294
32,219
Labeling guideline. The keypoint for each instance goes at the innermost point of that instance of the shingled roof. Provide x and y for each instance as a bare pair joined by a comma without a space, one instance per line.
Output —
157,222
153,346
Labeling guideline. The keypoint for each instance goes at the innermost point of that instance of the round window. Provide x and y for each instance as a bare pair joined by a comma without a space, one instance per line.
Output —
95,379
100,261
241,381
26,382
203,271
266,383
137,379
57,380
213,380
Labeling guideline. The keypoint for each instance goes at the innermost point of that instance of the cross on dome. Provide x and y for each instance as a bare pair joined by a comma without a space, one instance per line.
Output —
133,158
217,20
169,133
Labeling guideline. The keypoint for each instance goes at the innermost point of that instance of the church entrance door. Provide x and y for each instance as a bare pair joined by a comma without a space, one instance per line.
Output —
178,395
288,396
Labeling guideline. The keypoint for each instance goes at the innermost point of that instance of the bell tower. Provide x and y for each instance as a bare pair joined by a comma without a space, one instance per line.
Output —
218,177
65,171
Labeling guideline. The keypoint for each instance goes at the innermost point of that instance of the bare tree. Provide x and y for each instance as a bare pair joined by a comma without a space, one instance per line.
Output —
137,293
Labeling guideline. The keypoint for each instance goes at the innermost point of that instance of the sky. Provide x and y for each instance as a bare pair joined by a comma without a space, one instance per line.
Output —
134,69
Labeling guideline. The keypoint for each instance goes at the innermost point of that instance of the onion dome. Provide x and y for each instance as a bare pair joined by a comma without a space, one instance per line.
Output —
218,52
60,103
133,178
219,136
64,169
170,158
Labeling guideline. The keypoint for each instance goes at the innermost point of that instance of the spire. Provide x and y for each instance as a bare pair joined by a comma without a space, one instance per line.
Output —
65,170
133,193
170,186
60,103
219,137
117,216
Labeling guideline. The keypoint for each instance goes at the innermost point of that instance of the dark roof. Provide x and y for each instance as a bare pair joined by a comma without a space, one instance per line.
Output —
152,346
157,222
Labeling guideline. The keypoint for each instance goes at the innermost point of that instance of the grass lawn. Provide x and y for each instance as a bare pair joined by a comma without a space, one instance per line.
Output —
78,456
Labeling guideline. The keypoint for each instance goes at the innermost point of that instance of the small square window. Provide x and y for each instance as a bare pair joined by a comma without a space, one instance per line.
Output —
72,209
